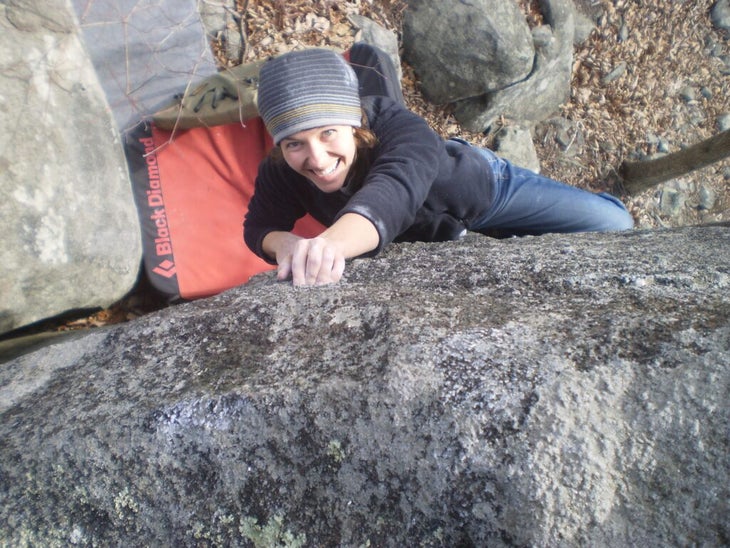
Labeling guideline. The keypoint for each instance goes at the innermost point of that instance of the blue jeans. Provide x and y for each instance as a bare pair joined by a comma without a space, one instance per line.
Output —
528,203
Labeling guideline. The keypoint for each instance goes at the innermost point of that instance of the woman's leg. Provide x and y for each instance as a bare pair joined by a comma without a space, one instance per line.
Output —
529,203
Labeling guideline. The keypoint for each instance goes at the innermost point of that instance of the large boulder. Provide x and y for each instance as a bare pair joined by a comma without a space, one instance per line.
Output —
563,390
538,96
72,237
378,36
720,15
466,49
146,53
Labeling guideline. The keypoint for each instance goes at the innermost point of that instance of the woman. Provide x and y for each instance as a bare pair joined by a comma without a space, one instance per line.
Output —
373,172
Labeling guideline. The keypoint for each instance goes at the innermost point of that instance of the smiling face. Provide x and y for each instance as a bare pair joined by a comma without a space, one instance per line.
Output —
324,155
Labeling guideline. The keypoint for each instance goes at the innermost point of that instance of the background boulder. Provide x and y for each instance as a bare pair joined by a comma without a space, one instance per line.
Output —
465,49
71,238
539,95
555,390
482,58
720,15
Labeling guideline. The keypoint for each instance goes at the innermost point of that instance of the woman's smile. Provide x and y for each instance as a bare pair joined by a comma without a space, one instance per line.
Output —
326,172
323,155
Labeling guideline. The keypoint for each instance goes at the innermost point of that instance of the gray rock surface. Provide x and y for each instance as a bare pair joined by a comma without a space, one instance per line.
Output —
720,15
71,237
147,51
586,14
376,35
466,49
550,391
515,144
539,95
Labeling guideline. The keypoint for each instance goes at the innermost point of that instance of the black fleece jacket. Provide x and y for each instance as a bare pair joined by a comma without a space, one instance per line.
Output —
416,187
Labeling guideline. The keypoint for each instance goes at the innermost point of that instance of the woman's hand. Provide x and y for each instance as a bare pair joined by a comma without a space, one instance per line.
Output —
316,261
313,261
321,260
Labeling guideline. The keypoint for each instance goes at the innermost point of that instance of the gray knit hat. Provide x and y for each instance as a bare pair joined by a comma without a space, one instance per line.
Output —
305,89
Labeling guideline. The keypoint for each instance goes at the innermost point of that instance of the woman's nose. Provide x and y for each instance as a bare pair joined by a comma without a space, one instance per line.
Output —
317,154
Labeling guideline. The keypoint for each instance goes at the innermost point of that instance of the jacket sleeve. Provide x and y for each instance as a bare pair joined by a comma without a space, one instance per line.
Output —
405,164
273,206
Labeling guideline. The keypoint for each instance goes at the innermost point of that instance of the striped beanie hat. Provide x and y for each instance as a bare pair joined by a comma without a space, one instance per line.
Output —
305,89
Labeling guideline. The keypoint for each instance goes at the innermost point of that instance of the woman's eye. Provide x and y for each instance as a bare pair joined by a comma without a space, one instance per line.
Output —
329,132
292,145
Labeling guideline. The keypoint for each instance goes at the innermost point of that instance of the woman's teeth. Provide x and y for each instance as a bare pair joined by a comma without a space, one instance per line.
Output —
325,172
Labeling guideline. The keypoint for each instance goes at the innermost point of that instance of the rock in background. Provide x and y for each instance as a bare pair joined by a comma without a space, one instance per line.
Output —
459,49
71,235
564,390
481,57
547,87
